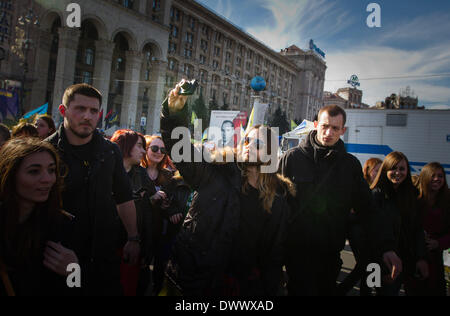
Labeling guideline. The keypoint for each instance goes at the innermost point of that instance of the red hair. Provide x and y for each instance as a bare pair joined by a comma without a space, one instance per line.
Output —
369,165
127,139
165,163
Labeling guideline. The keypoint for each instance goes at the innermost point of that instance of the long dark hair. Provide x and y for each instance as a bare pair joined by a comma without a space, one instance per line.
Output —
47,119
405,196
12,155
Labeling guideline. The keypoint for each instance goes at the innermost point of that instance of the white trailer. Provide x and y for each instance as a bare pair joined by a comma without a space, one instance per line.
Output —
422,135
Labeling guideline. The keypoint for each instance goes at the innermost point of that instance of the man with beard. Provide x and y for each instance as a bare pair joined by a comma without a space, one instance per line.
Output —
330,184
97,189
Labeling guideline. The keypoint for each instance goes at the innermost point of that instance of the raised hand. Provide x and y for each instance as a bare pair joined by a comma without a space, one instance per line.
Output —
177,101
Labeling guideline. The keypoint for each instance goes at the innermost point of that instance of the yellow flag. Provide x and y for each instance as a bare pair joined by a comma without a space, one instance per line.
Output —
194,118
250,120
293,125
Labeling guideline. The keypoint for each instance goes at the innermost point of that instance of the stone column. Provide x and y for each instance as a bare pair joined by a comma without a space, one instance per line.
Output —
156,96
65,66
102,72
39,88
131,88
142,6
166,5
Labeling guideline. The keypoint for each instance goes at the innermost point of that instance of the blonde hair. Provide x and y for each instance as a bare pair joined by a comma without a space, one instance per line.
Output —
268,183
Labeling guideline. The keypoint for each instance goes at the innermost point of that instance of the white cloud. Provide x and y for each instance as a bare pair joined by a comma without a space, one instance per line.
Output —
384,62
298,21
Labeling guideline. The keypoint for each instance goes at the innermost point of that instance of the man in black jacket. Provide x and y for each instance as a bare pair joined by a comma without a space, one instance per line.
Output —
96,191
329,184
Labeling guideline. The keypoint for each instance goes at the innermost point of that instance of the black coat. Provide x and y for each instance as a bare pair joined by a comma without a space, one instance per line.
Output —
106,180
406,235
143,189
32,278
92,191
329,183
203,248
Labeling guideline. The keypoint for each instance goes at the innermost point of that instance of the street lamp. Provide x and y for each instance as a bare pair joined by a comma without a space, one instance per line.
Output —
27,43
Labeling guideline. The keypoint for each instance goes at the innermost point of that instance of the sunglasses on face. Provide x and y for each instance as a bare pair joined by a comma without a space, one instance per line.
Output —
254,142
155,149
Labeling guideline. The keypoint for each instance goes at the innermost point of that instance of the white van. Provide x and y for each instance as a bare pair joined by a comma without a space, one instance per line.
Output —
422,135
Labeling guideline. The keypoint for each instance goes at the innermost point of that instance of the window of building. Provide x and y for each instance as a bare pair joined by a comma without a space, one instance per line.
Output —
174,14
215,64
189,37
120,64
227,69
248,65
237,74
156,6
202,59
216,51
192,23
118,86
396,120
87,77
89,56
174,31
204,45
225,98
205,29
218,37
228,57
188,70
203,76
127,3
187,53
238,61
172,64
172,47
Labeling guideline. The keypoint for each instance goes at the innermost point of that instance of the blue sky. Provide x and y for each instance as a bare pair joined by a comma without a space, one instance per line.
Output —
413,41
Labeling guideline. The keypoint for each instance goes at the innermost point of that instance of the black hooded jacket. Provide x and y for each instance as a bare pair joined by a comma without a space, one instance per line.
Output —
329,184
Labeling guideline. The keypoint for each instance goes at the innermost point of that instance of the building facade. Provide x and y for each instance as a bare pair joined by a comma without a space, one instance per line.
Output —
134,51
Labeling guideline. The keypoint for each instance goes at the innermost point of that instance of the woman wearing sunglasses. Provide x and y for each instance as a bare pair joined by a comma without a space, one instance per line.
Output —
168,199
232,240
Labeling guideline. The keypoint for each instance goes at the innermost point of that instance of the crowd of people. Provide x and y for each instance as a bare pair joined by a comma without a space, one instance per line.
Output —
139,224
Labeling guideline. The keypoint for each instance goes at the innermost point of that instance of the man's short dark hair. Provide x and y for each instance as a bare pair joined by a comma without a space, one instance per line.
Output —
227,122
83,89
333,110
5,134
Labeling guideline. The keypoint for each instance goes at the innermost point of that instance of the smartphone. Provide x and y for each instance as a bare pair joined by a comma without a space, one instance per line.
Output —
189,87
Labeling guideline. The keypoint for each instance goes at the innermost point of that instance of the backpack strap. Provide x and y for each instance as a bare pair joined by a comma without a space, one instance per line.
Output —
6,281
